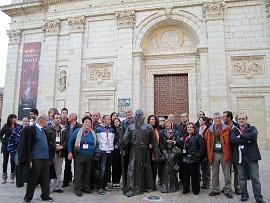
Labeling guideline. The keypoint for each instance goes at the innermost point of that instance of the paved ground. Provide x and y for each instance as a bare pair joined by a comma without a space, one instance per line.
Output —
10,194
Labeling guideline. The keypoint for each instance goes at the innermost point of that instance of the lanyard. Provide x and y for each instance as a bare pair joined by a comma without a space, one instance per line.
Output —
185,140
216,134
107,132
85,135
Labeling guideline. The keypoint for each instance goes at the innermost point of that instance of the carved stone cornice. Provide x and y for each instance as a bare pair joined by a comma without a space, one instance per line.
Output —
125,19
24,8
213,10
52,27
54,1
76,24
14,35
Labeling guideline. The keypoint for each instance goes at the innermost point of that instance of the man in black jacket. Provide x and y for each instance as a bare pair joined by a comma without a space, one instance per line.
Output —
71,126
246,154
57,136
35,155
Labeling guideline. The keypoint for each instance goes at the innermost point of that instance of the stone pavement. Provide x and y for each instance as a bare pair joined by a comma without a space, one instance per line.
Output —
10,194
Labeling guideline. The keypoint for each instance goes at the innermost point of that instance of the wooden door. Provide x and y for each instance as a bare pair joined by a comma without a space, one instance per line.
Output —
171,95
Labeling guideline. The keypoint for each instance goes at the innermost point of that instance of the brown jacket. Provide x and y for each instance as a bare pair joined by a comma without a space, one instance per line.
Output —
225,142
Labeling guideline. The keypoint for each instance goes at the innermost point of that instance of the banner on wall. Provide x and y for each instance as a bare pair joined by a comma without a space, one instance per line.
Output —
29,78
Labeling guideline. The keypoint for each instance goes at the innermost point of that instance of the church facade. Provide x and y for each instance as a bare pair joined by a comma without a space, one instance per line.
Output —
161,56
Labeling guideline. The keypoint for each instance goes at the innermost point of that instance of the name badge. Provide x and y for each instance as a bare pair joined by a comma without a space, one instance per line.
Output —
57,139
184,151
218,145
85,146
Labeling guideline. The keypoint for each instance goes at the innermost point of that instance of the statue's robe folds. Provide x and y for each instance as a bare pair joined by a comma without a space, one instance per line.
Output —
139,174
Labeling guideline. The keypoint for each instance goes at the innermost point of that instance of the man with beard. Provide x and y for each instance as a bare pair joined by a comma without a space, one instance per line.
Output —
139,136
33,116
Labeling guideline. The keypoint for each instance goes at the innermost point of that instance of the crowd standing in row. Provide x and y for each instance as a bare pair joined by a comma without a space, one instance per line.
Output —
104,150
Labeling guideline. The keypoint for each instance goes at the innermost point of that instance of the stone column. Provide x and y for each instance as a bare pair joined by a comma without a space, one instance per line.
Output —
47,67
204,75
10,90
125,24
214,14
138,83
73,92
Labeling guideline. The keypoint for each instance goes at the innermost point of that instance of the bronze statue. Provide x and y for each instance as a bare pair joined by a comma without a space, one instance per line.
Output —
137,138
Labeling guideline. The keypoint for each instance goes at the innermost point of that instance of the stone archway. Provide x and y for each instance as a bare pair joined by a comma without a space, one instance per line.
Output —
169,47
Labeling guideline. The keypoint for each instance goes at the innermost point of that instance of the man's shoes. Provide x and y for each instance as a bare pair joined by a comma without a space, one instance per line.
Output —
116,185
244,198
49,199
205,187
213,193
59,190
196,193
261,201
101,192
229,195
78,193
238,192
26,200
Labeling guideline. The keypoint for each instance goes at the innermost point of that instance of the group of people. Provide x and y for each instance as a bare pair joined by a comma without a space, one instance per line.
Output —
159,154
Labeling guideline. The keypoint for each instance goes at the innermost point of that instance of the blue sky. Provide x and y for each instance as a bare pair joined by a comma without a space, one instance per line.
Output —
4,26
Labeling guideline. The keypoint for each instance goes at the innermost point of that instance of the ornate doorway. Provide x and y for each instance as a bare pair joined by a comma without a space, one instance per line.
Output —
171,95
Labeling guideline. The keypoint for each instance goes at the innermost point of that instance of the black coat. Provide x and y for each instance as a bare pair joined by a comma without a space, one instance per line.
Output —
250,151
194,147
27,142
51,133
163,139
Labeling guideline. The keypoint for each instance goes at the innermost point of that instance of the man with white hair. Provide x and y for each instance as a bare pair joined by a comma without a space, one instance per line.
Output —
217,138
35,150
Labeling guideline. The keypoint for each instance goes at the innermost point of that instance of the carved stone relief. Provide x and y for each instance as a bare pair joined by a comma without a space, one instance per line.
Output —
169,39
125,19
268,7
248,66
62,80
213,10
99,71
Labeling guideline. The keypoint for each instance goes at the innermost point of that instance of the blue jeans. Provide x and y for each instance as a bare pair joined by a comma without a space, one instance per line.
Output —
250,169
104,169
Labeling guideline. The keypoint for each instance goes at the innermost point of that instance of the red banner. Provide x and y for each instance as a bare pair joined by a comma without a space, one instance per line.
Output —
29,78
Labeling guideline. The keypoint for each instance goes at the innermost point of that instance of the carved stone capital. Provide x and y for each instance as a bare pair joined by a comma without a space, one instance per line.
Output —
213,10
14,35
52,27
76,24
125,19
